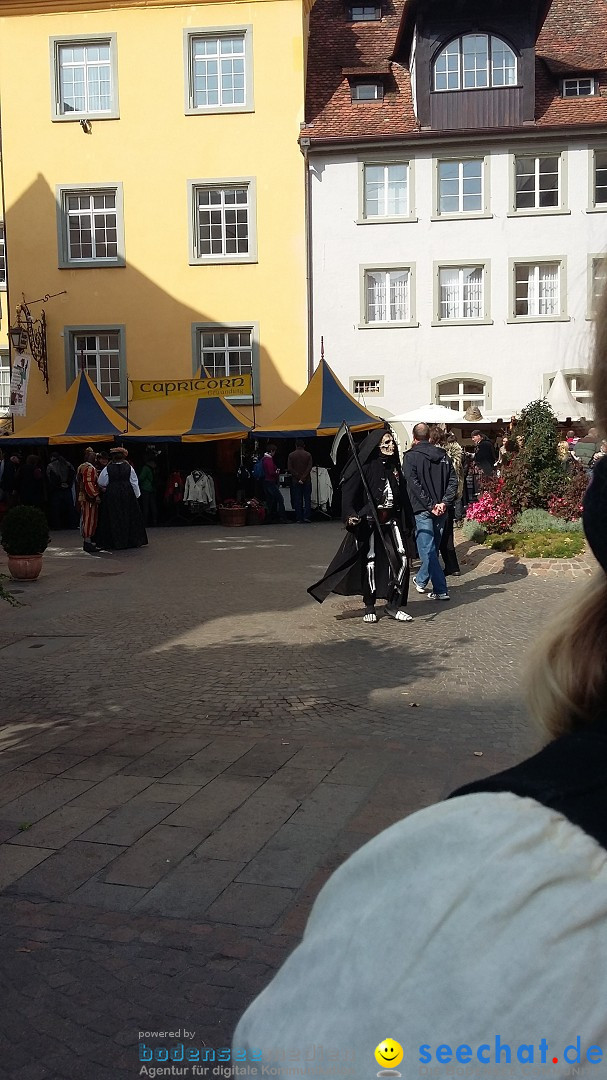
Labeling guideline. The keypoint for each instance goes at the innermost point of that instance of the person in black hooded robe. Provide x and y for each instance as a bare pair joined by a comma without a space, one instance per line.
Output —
361,566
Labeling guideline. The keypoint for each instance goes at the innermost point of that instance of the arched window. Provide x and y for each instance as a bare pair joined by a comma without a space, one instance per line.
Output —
474,62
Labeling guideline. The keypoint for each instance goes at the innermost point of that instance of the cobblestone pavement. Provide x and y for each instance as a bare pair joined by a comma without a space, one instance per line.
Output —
190,745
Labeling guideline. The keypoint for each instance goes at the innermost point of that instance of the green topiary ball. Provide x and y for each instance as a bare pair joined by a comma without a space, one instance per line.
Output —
25,531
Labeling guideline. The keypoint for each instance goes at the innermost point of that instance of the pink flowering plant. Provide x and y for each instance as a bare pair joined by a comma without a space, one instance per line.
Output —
493,510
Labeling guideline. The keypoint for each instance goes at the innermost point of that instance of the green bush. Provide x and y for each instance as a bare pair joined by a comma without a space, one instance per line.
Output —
538,545
25,531
474,531
536,474
536,520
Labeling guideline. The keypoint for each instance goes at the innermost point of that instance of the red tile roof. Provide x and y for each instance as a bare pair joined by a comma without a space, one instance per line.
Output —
572,39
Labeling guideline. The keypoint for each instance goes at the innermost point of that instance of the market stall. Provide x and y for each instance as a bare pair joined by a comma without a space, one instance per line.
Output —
320,410
83,415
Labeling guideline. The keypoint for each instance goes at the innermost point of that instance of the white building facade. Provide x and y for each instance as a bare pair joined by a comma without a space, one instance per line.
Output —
459,263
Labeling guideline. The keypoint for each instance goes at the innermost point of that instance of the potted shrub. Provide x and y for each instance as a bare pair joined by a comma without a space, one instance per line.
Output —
24,538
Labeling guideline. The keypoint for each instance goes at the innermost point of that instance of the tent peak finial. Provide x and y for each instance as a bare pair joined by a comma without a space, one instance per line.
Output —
322,348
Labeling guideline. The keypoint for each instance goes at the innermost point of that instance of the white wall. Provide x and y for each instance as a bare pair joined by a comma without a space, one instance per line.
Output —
516,357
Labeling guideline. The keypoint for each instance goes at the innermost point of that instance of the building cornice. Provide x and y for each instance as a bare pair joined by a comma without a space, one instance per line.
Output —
531,133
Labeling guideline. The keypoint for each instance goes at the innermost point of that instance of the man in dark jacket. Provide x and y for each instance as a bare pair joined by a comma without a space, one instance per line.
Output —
432,485
484,453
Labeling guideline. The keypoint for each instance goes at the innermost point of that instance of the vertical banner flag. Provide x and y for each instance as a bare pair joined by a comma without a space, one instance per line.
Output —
20,374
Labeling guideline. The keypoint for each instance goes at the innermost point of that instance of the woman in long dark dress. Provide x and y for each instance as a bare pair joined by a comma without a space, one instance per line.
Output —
120,521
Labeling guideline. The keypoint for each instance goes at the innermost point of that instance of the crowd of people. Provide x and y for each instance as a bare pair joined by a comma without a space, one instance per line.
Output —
59,488
396,512
102,496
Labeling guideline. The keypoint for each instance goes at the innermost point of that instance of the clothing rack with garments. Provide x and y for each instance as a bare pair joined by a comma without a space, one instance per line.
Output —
199,496
173,499
322,490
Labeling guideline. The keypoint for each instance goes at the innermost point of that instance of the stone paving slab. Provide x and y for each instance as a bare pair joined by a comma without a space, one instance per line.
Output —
210,762
330,805
127,824
177,794
113,792
258,741
65,870
250,905
165,757
18,783
151,857
210,807
43,799
248,828
98,767
187,891
57,829
289,858
15,862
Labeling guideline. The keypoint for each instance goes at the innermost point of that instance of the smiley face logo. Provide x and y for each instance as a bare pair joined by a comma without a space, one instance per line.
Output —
389,1054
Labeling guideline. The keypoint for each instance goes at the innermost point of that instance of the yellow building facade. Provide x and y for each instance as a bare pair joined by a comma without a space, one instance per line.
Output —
152,177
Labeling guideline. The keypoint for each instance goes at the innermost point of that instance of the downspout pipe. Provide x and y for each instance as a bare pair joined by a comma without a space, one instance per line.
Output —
304,144
6,314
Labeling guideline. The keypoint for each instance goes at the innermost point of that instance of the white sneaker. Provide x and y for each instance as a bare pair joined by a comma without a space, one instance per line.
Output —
419,587
438,596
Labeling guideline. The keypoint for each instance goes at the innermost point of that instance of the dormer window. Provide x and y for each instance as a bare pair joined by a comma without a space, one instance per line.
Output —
475,62
578,87
367,91
364,13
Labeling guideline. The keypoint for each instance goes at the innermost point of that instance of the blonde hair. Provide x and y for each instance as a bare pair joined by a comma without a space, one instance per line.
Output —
567,677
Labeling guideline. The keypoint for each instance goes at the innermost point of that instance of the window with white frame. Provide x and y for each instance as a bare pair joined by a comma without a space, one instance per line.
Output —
100,354
367,91
226,350
578,87
537,290
461,293
538,184
220,70
386,190
460,394
364,13
364,386
91,226
222,216
600,177
5,381
2,257
460,186
388,296
85,77
598,271
578,383
474,62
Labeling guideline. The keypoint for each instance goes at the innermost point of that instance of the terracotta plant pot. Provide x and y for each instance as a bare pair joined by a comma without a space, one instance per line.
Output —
24,567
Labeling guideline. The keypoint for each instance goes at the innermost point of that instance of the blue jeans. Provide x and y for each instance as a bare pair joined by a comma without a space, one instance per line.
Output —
301,497
274,500
428,535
